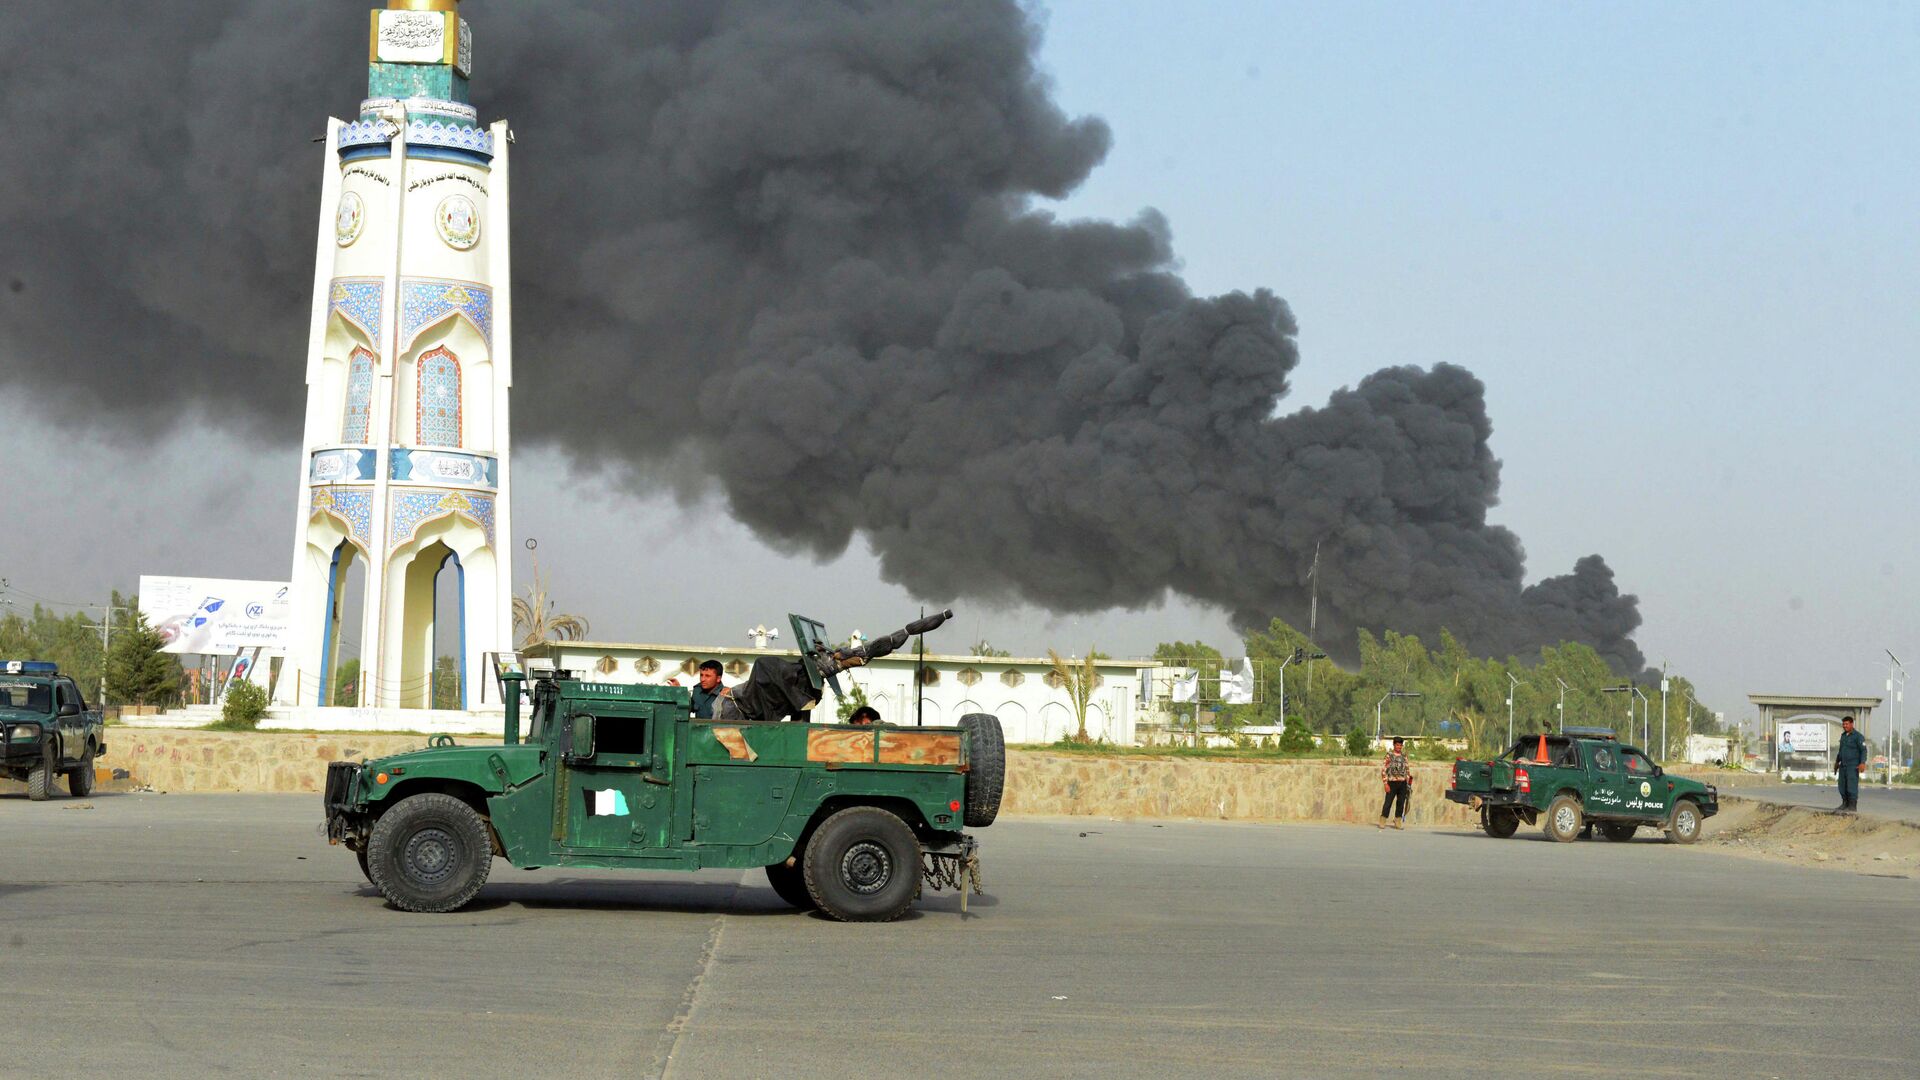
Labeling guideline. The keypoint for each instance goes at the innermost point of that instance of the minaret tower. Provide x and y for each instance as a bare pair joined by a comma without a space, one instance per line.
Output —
404,465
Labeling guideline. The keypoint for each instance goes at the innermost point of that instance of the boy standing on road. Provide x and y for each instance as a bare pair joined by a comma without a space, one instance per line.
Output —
1848,763
1397,775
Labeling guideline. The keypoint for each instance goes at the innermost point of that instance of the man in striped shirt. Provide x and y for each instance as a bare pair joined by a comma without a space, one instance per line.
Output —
1397,775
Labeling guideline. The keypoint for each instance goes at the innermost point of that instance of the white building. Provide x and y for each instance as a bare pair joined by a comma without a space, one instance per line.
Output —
403,466
1032,705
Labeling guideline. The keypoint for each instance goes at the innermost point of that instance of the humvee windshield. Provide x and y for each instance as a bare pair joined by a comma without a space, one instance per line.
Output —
26,697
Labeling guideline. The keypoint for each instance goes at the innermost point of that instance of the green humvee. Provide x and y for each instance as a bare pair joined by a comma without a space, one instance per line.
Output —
1577,780
849,820
46,729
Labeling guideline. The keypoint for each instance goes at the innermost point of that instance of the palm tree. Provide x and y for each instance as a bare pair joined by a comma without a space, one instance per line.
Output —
1078,678
535,621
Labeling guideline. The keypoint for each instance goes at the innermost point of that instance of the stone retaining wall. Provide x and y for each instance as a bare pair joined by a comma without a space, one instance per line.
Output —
1038,781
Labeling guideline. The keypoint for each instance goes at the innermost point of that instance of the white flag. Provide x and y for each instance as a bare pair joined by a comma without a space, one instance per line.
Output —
1186,687
1236,688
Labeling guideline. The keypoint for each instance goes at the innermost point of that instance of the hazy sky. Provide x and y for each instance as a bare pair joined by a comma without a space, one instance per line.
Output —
1677,243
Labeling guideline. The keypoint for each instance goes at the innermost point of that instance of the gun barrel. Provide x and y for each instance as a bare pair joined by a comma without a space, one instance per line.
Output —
931,622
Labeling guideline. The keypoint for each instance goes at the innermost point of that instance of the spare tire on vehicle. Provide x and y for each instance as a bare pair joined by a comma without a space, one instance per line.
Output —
986,768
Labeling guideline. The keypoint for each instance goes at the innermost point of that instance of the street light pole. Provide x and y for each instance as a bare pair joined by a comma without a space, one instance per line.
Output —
1562,707
1515,685
1383,701
1893,707
1663,712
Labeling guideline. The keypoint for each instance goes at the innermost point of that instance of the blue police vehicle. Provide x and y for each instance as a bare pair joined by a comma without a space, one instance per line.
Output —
46,729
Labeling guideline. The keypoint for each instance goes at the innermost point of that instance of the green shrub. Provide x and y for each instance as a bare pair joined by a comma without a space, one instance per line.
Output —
1359,743
246,703
1298,737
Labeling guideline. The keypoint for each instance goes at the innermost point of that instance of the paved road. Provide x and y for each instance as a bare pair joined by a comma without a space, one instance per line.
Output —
158,936
1897,802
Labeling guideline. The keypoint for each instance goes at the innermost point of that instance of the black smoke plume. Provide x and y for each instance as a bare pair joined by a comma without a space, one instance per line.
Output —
791,246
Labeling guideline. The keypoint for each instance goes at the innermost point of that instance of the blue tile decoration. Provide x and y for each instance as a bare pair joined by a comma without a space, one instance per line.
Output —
357,300
437,411
359,407
341,465
412,509
421,131
425,301
354,506
445,467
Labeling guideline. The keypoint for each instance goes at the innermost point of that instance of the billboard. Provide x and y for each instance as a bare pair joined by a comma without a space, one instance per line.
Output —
216,615
1803,738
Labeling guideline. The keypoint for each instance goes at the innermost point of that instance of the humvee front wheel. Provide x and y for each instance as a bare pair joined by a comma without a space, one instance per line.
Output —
1563,819
790,884
863,865
1499,823
1683,827
431,852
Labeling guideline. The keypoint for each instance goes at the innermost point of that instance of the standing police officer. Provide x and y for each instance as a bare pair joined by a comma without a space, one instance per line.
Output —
1848,763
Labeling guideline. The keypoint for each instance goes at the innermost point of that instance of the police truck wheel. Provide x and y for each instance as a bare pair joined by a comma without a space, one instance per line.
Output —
1683,826
986,768
1499,823
40,782
80,780
430,853
1563,819
790,884
1618,831
863,865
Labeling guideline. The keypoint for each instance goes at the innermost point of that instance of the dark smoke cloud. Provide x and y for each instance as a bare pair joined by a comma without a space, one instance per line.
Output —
812,220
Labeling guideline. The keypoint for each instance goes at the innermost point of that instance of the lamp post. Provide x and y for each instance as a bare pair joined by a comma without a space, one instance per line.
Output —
1515,684
1383,701
1893,707
1562,707
1663,711
1630,688
1301,655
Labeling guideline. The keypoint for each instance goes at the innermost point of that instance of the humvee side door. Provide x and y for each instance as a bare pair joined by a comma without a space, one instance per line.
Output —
613,792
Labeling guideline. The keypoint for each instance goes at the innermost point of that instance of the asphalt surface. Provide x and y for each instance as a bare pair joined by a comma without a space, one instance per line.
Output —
219,935
1895,802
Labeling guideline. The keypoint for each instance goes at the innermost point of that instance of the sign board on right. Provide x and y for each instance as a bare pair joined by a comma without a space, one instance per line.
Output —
1803,738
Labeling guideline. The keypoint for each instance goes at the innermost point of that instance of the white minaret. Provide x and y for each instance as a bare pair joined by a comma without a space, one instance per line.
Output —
404,464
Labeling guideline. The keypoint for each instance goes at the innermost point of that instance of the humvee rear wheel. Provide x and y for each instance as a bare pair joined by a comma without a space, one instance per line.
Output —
863,865
40,782
430,853
1683,827
1618,831
791,885
80,778
1563,819
1499,823
986,768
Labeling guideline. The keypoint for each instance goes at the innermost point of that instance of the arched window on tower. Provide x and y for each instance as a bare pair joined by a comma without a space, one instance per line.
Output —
439,411
353,427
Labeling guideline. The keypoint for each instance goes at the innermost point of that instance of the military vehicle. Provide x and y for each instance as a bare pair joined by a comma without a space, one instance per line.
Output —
1580,778
46,729
848,820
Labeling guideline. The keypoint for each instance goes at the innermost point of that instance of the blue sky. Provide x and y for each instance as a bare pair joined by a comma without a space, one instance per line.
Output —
1678,242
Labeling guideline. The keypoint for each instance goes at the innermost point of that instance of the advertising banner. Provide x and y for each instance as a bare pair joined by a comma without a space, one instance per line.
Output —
1803,738
216,615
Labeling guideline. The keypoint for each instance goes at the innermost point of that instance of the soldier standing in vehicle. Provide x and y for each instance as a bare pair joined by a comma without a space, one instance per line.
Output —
1397,774
1849,761
708,689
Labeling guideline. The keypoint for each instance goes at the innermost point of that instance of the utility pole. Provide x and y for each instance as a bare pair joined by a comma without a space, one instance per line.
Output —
1893,707
1515,685
1313,620
1663,710
106,641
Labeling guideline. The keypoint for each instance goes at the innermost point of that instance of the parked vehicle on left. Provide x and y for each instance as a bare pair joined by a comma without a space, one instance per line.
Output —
46,729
